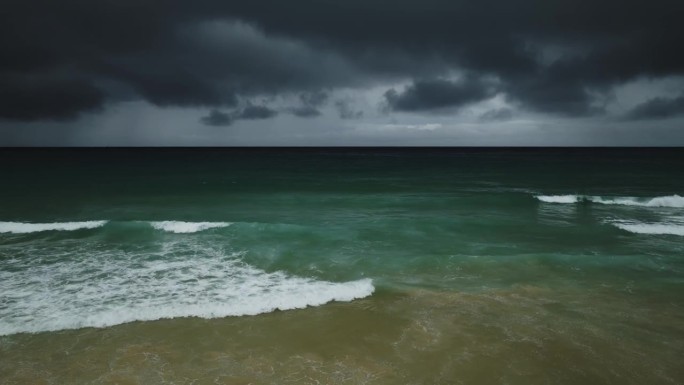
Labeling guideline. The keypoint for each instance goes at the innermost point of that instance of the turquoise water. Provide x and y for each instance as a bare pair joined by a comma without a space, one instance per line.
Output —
103,238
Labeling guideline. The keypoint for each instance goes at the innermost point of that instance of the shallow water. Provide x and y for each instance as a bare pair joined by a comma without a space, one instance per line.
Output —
519,336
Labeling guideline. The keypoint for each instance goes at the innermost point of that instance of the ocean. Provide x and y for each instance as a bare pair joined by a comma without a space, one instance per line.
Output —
342,266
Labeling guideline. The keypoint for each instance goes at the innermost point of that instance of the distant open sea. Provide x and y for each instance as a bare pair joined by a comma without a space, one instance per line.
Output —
342,266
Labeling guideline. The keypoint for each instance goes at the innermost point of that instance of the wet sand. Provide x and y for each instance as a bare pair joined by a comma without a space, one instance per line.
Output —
523,335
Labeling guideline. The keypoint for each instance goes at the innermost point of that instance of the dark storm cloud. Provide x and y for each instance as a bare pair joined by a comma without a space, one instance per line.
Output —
658,108
554,56
167,85
33,99
557,96
249,112
597,44
438,94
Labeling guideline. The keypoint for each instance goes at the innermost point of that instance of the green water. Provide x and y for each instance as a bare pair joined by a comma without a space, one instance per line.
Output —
464,266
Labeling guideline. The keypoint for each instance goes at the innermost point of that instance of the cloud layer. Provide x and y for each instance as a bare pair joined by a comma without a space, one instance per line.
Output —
557,57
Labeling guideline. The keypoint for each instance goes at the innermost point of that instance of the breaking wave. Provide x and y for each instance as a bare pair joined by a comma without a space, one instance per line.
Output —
182,280
559,198
675,201
27,228
180,227
650,228
177,227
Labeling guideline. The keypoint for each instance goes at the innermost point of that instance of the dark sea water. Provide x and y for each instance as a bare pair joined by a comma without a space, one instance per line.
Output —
342,266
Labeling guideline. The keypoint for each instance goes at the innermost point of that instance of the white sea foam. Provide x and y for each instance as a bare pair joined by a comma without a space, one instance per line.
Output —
187,227
664,201
25,228
650,228
675,201
180,280
558,198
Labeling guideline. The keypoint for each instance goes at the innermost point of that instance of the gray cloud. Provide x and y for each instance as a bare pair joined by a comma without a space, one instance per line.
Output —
346,111
217,118
430,95
658,108
497,115
211,53
305,111
311,101
255,112
249,112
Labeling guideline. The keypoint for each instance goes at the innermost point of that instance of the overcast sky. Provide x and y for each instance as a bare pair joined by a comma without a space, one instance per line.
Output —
341,72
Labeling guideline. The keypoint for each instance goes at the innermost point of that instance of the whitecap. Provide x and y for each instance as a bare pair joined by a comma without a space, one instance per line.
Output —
650,228
558,198
674,201
662,201
27,228
180,227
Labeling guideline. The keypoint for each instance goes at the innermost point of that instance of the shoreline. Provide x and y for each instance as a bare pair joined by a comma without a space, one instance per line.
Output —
522,335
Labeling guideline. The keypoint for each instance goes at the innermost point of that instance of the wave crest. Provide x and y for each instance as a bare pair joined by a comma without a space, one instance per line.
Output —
27,228
180,227
650,228
558,198
674,201
182,280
